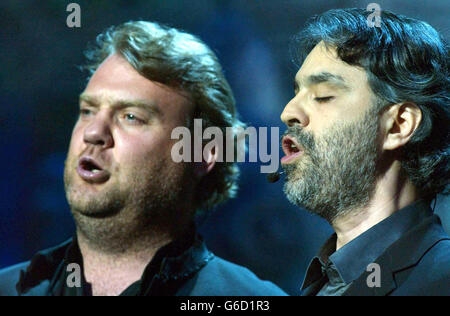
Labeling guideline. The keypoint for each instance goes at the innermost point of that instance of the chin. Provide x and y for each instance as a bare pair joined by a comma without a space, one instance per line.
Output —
94,207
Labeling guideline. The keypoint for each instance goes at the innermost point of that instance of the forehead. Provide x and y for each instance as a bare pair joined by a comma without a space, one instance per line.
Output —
116,79
323,60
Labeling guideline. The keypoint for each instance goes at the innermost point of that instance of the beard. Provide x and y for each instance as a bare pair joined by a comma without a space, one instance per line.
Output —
336,174
135,203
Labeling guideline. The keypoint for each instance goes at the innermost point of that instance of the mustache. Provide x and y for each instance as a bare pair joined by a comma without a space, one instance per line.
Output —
303,138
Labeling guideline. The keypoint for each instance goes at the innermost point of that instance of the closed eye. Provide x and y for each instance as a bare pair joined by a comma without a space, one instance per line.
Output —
324,99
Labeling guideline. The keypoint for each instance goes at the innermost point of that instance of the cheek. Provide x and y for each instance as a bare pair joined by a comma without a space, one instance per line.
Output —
142,149
76,140
322,122
359,103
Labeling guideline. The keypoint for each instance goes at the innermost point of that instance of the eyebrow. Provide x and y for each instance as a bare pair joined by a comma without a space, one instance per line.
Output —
324,77
121,104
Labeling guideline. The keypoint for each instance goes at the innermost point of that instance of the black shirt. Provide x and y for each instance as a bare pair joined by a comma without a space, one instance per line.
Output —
176,252
338,269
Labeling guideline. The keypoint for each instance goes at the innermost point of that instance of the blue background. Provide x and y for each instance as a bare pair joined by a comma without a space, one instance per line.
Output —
39,87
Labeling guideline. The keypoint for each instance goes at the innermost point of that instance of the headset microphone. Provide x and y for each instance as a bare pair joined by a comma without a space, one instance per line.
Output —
274,176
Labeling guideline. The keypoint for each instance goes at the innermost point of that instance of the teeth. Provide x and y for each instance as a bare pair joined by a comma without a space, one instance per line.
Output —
95,170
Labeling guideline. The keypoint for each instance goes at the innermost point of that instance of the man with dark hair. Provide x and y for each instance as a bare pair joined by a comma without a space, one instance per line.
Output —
367,148
133,205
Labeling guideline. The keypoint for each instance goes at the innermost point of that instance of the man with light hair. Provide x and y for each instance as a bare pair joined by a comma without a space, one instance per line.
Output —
134,206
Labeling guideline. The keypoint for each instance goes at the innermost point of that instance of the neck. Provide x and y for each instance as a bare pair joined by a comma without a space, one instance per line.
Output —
116,251
140,250
393,192
111,273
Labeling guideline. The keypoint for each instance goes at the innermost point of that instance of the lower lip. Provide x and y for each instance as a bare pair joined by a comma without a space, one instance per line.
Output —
93,177
292,157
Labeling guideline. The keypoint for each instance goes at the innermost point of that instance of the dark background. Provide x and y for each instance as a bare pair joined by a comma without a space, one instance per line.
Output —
39,87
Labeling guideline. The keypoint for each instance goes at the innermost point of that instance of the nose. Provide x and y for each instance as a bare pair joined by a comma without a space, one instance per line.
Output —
98,132
294,113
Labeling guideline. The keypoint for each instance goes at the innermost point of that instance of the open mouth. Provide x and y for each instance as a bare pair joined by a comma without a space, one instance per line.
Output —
291,149
91,171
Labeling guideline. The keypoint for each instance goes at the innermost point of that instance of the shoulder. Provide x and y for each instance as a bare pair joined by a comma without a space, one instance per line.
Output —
36,273
9,277
435,268
222,278
431,275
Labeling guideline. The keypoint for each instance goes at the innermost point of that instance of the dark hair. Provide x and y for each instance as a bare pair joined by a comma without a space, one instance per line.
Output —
405,60
180,60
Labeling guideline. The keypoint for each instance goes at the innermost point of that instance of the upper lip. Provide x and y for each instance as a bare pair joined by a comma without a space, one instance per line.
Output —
286,145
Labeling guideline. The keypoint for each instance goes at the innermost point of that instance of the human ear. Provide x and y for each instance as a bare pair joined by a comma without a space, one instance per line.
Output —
398,123
209,159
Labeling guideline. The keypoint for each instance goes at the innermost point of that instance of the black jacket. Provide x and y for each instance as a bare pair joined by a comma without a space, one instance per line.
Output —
196,272
416,264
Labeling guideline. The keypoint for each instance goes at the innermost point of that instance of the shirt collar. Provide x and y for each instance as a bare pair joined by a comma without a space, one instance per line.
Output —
315,268
175,261
353,258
